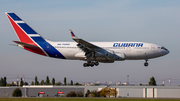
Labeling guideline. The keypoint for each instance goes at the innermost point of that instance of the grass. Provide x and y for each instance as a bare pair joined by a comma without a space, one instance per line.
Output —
83,99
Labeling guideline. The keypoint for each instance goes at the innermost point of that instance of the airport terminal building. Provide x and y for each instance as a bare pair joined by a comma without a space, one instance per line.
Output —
122,91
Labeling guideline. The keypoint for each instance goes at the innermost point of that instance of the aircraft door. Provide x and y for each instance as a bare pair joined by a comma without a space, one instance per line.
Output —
152,48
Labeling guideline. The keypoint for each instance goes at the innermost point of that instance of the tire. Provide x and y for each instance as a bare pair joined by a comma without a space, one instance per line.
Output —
146,64
92,63
96,63
85,65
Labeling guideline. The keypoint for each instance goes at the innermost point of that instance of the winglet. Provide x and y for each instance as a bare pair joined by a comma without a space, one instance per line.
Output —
72,34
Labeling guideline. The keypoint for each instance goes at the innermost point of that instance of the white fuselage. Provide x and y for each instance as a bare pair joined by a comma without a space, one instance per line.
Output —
70,50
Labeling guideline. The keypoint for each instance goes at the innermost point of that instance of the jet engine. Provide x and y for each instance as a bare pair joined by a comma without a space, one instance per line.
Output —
119,56
105,53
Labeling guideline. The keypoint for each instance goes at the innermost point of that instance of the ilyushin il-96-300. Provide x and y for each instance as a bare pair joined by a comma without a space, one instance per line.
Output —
91,52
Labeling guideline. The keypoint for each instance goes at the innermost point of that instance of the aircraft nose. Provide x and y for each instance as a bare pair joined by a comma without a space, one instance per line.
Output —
167,51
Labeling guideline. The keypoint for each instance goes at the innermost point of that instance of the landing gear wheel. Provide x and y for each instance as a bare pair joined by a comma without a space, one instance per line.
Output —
146,64
92,64
96,63
85,64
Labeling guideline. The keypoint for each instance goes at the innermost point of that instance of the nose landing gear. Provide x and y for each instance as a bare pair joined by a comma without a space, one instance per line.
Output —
146,63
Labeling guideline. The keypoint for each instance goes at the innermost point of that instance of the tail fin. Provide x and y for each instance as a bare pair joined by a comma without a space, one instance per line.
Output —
30,39
26,34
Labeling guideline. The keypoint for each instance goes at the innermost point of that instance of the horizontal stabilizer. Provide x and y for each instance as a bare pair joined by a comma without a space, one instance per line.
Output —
25,44
13,44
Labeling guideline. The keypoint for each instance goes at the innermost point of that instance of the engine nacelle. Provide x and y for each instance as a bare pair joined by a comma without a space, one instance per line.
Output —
119,56
110,55
107,54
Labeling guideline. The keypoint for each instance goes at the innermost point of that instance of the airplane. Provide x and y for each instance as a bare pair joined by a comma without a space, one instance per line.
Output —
91,52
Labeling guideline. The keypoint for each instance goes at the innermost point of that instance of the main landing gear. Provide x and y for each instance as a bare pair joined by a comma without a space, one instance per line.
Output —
91,63
146,63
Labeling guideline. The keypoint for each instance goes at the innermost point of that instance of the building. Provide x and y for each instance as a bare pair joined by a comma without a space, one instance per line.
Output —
123,91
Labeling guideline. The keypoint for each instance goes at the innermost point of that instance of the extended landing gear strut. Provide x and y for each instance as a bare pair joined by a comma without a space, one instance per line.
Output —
91,63
146,63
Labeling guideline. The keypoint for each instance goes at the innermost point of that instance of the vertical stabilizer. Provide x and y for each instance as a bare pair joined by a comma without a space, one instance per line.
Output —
30,40
26,34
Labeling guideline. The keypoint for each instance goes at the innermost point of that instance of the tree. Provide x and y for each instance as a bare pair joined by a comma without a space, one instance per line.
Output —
53,81
71,94
42,82
32,83
1,82
152,81
36,81
115,92
4,81
88,92
108,92
96,84
17,93
8,84
77,83
12,84
80,94
58,83
94,93
26,83
21,82
71,82
47,81
64,80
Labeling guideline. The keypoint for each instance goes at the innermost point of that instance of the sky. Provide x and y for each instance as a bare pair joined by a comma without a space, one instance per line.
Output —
152,21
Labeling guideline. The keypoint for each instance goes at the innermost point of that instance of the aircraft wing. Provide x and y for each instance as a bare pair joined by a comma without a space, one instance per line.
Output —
84,45
93,51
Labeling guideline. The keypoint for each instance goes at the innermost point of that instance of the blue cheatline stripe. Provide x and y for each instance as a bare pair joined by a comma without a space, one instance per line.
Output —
26,28
48,48
14,17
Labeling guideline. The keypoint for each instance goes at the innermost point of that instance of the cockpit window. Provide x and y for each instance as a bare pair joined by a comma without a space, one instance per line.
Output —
163,48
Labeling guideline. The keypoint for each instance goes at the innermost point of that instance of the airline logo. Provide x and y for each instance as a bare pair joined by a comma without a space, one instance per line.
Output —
72,34
27,35
128,45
